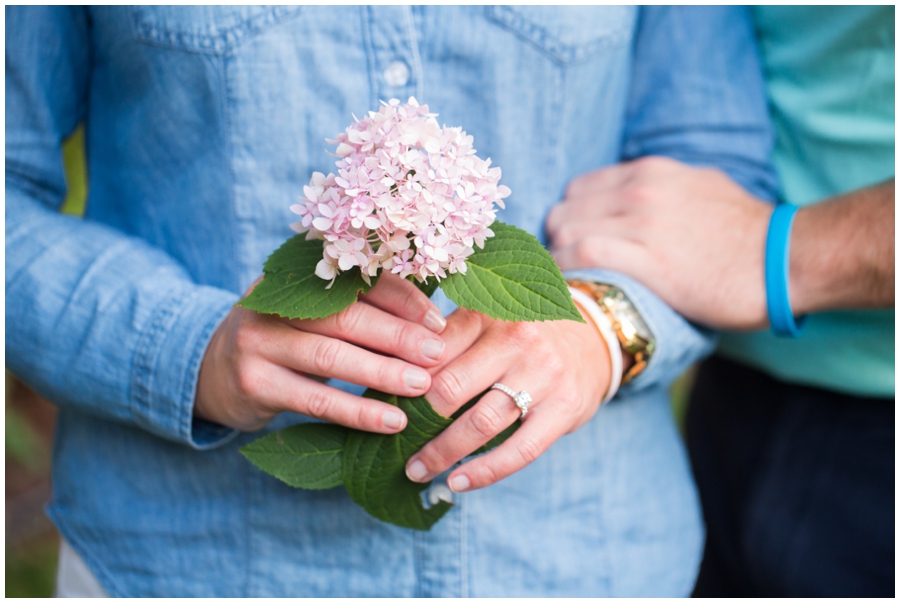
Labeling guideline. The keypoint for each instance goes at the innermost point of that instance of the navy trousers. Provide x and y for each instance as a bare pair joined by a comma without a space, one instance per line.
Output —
797,487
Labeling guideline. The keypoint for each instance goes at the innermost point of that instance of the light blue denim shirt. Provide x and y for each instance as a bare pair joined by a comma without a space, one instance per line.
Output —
202,125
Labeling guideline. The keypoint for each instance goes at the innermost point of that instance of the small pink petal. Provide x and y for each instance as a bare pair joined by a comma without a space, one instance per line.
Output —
322,224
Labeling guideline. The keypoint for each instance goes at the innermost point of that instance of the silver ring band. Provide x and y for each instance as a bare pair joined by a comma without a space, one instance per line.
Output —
522,399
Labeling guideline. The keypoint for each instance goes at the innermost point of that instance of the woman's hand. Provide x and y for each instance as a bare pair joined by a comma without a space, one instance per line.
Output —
257,365
563,365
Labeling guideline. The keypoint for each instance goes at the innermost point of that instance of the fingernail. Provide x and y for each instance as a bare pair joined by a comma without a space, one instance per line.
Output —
433,348
459,483
415,378
416,471
392,419
434,321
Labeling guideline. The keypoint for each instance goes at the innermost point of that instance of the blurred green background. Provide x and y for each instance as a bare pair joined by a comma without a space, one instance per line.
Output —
32,542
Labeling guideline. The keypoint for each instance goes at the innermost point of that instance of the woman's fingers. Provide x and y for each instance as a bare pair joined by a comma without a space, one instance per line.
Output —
402,298
326,356
553,362
475,369
283,389
464,328
531,440
375,329
476,427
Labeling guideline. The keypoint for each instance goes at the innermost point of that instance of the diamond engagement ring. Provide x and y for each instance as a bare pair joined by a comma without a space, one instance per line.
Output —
522,399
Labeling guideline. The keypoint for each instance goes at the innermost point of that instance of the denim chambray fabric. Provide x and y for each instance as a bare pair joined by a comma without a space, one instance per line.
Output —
202,125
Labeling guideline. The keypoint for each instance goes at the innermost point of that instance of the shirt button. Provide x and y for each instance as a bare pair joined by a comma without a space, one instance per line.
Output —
396,74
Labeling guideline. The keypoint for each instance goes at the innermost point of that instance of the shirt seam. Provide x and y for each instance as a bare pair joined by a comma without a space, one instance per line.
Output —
142,369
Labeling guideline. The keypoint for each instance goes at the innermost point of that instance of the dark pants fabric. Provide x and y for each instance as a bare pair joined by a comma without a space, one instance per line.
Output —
797,487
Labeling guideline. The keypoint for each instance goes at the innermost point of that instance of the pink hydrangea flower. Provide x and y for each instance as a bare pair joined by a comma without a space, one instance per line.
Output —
410,196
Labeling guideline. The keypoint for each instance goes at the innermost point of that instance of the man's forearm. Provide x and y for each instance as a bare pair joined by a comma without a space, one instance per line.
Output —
842,252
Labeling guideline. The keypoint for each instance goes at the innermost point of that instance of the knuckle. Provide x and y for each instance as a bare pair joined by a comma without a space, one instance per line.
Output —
398,334
564,236
362,416
326,356
639,192
570,402
386,373
347,320
524,332
486,421
414,305
554,219
489,475
438,458
553,364
319,404
472,319
249,380
652,163
247,337
528,450
448,386
647,163
574,188
586,253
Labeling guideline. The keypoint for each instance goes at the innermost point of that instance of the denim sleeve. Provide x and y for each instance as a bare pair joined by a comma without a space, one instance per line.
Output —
95,320
698,96
698,93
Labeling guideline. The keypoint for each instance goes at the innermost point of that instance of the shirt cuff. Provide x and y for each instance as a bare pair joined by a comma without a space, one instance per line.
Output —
167,365
679,343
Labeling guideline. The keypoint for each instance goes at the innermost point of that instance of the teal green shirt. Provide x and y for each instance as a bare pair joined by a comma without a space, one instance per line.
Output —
830,80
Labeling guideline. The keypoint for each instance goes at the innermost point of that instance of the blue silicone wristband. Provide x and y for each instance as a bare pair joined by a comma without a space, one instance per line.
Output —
777,257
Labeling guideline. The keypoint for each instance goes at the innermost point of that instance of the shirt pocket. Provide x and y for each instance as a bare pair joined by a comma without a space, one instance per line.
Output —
204,29
567,34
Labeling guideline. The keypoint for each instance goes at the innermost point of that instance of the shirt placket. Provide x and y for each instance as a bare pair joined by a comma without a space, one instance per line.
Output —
395,69
440,553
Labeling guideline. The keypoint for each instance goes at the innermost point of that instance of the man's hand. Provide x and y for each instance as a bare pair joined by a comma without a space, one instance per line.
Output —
563,365
692,236
697,239
257,366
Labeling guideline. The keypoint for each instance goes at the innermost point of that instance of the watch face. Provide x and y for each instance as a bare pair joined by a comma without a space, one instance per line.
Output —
632,325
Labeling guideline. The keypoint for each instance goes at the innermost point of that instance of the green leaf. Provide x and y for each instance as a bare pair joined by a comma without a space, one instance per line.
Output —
290,287
513,278
304,456
317,456
374,466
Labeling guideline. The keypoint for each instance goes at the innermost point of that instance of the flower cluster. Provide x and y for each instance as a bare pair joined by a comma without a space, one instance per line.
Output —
410,196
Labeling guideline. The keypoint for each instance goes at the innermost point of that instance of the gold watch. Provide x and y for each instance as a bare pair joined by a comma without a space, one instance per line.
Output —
631,330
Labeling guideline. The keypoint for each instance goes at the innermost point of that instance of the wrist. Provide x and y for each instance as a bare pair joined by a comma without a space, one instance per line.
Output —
842,252
803,263
603,327
782,316
634,337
